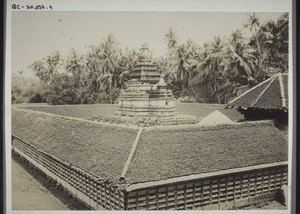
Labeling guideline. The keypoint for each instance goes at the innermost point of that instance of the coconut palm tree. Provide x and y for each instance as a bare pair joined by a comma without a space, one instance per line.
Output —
106,83
75,65
274,37
171,39
239,65
110,56
93,69
254,26
47,68
126,65
38,67
172,42
179,59
209,67
54,63
240,59
180,68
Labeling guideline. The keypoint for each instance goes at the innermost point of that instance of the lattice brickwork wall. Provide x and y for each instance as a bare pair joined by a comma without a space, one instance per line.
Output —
221,192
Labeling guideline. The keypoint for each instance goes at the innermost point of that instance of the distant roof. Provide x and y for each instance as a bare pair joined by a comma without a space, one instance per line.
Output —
214,118
94,147
270,94
200,110
164,153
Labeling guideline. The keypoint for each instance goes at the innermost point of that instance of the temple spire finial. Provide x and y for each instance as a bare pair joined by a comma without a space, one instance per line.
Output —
145,52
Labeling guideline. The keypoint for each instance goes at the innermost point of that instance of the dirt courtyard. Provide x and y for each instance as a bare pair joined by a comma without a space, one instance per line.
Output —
28,194
31,191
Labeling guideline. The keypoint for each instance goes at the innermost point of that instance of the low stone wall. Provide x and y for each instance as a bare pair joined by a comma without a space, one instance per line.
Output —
90,189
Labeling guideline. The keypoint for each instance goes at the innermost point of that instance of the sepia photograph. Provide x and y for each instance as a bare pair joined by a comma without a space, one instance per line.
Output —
150,110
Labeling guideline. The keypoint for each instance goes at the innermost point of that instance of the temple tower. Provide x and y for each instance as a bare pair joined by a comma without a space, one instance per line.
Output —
146,95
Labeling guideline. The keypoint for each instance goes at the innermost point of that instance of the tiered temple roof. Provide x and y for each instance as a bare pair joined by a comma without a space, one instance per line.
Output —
145,70
146,95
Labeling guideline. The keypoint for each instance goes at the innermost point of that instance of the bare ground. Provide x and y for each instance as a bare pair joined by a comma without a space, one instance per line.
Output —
34,191
270,205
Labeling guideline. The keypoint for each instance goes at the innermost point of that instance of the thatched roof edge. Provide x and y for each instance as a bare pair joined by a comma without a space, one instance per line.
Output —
78,119
210,127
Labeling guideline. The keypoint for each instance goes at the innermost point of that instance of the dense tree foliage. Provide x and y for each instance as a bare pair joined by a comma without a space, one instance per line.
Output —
215,72
26,90
226,67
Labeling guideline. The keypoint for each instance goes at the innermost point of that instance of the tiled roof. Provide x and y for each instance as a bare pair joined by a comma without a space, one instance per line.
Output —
270,94
164,153
94,147
160,152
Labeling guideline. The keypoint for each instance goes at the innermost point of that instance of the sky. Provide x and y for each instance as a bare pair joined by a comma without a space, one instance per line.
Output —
37,34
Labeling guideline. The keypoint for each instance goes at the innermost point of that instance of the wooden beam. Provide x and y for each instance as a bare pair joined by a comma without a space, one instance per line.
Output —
283,97
132,152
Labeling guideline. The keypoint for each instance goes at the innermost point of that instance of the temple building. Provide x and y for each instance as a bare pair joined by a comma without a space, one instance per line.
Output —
175,163
146,95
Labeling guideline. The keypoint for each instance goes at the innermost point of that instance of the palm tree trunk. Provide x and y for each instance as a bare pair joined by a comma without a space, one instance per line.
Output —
110,98
115,82
225,100
182,85
258,47
193,90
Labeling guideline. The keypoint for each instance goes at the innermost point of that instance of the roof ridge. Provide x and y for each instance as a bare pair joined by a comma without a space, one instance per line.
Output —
74,118
42,105
131,154
283,97
280,74
263,91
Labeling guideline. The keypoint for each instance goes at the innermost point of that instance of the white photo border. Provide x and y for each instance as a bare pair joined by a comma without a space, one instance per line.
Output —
147,5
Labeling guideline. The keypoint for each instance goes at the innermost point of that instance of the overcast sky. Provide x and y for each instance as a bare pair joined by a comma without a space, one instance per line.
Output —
37,34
